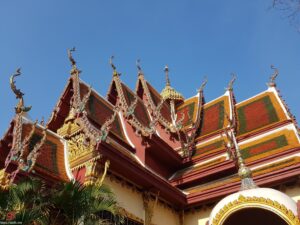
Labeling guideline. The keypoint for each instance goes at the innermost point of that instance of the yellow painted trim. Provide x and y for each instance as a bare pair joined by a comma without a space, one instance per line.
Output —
255,202
290,136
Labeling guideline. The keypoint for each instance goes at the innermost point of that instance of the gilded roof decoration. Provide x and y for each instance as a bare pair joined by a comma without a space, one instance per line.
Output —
266,203
231,82
244,171
160,109
256,132
99,111
273,76
131,106
169,93
114,68
74,70
20,108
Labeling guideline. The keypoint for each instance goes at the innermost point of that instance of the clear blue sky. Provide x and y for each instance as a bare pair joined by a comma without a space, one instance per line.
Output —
195,38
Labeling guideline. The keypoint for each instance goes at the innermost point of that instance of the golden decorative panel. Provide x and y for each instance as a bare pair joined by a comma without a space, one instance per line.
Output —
79,146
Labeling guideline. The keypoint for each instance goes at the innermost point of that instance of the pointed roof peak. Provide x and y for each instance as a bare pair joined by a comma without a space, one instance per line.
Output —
167,76
169,93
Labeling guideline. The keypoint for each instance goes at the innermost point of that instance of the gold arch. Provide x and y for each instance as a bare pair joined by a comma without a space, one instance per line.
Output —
258,202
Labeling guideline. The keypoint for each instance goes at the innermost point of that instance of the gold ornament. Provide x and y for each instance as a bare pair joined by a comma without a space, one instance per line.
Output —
255,202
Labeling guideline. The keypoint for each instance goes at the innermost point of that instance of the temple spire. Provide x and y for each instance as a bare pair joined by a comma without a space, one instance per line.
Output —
273,77
20,108
169,93
244,172
167,76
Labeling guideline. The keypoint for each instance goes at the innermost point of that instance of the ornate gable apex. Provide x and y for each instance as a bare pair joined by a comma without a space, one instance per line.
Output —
131,105
159,108
99,110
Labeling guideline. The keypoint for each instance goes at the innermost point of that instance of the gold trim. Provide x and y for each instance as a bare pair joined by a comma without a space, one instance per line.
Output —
257,202
4,180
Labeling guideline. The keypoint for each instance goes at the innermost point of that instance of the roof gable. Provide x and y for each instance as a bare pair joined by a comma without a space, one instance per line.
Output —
99,110
258,112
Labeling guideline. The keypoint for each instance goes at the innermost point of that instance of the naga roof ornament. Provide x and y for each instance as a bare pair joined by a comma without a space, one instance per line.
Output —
139,68
169,93
115,73
231,82
189,146
197,123
20,108
273,77
74,70
203,85
244,172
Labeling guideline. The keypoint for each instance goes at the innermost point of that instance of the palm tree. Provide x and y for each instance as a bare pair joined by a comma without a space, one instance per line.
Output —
70,203
77,204
28,201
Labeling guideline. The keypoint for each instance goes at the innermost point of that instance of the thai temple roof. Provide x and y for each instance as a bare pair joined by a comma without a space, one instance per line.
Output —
181,150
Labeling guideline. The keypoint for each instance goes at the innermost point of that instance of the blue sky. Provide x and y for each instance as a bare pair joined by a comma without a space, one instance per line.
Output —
195,38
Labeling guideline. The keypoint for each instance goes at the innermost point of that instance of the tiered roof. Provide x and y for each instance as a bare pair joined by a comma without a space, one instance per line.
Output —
180,149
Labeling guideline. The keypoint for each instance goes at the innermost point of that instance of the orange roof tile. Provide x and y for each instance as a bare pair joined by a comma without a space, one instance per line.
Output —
51,157
258,112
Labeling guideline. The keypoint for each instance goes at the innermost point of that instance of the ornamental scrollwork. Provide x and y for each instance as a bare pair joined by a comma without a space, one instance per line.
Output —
259,202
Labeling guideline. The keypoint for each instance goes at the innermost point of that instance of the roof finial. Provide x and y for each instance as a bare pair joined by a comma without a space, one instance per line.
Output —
138,65
74,69
42,121
230,84
244,172
167,75
273,76
20,108
115,73
203,85
73,62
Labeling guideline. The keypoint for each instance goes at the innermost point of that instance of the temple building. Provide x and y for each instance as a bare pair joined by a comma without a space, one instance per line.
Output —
169,160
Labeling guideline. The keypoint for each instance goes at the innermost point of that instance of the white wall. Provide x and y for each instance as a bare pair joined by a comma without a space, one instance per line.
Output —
198,217
131,200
